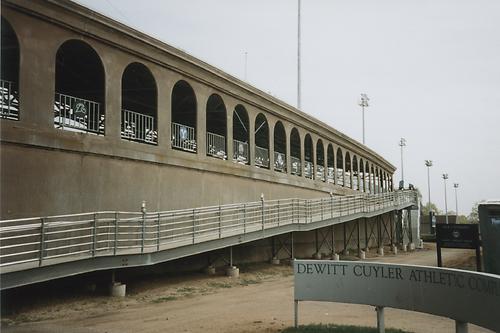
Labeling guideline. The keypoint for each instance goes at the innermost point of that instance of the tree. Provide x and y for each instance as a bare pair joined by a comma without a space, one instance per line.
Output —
430,206
474,215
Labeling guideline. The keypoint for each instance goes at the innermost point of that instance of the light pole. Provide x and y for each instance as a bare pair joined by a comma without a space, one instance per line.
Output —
455,185
363,102
402,143
428,164
445,177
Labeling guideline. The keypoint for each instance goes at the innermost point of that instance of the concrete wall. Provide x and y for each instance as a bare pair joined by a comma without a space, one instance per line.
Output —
46,171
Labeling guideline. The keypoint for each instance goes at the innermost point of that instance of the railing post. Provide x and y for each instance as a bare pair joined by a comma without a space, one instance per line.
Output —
158,233
244,218
116,234
278,213
262,210
94,238
194,223
143,229
42,240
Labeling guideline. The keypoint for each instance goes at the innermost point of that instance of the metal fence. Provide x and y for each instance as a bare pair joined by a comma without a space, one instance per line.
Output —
296,166
78,114
261,157
183,137
33,242
9,100
138,127
320,173
216,145
308,169
340,177
279,162
240,152
330,176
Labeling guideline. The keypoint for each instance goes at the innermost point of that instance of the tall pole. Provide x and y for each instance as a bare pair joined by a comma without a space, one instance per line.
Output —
363,102
402,143
298,58
455,185
445,177
428,164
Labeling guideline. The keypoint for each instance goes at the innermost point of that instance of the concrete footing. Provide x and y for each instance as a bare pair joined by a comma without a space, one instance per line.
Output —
335,257
380,251
412,246
233,271
345,252
366,249
275,261
117,289
362,255
210,270
317,256
395,249
404,247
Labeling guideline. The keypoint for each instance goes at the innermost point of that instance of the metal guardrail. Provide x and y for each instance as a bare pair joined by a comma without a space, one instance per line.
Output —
78,114
240,152
261,157
216,145
138,127
308,170
279,161
296,166
183,137
10,100
41,241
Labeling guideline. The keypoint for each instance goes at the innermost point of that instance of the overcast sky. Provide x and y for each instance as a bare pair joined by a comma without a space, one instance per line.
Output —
431,69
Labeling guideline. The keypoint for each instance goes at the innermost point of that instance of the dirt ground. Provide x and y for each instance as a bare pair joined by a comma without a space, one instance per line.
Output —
260,300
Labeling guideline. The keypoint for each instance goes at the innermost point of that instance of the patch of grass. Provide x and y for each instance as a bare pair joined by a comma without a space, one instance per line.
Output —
186,290
219,285
247,282
164,299
331,328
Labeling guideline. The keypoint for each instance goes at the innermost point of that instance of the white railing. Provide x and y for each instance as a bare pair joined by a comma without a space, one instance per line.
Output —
330,175
355,181
320,173
308,169
340,177
347,179
183,137
138,127
9,100
78,114
216,145
279,162
41,241
261,157
296,166
240,152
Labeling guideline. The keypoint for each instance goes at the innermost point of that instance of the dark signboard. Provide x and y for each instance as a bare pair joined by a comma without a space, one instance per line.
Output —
461,236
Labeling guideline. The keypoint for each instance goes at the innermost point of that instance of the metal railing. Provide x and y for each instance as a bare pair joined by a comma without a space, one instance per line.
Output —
33,242
308,169
296,166
320,173
240,152
138,127
78,114
10,100
216,145
183,137
330,175
340,177
279,162
261,157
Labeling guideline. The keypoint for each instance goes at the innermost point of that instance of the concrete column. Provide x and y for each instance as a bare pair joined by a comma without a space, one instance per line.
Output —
202,95
271,142
229,129
114,65
461,327
288,132
302,154
251,136
164,109
314,157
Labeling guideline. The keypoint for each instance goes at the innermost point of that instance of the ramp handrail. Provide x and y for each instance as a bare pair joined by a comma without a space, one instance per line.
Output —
33,242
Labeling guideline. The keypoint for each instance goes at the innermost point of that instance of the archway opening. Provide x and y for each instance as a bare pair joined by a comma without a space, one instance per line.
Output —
279,147
295,153
348,180
183,117
362,184
241,153
308,157
340,167
355,182
9,80
330,164
261,141
139,104
216,127
320,160
79,89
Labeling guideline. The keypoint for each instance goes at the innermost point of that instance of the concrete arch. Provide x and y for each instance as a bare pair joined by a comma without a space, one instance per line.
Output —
295,152
308,157
79,101
320,160
216,127
362,184
348,170
183,113
10,55
355,173
340,167
241,135
330,164
280,147
261,141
